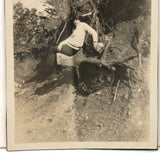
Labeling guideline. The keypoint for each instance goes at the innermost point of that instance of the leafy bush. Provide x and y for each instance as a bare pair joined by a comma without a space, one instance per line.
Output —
33,32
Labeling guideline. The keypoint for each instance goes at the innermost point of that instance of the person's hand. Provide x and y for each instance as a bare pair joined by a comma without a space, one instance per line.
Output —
60,46
98,46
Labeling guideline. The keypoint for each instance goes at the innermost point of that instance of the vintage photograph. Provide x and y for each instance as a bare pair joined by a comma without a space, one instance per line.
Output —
79,74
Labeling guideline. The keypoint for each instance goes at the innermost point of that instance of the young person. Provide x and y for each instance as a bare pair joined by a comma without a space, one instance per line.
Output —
71,45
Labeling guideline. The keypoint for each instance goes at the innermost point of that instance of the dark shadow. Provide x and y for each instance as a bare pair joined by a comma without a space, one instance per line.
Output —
115,11
92,78
88,79
68,76
43,72
47,65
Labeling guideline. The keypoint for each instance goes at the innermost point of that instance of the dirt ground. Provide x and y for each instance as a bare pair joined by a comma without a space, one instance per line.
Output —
55,110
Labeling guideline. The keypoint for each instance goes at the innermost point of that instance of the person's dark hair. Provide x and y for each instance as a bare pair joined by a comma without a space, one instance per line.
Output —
82,19
73,18
77,16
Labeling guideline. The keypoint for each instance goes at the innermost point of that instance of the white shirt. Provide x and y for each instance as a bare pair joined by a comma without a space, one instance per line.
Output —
77,38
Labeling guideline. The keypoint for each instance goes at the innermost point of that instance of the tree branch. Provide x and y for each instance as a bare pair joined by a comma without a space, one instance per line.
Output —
61,32
87,14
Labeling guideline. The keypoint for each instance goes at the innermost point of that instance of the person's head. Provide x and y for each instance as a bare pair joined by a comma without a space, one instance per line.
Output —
79,18
76,21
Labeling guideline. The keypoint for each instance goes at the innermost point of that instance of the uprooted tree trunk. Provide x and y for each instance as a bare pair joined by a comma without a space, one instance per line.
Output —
119,49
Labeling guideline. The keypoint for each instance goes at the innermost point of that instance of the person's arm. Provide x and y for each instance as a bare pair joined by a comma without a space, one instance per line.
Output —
98,46
61,44
91,31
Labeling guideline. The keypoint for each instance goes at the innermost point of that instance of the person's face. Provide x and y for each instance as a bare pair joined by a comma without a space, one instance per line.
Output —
76,22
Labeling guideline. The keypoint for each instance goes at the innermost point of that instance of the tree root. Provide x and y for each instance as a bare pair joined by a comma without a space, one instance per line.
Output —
115,94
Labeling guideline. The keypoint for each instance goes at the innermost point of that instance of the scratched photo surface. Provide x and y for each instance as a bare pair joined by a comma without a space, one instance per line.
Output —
81,70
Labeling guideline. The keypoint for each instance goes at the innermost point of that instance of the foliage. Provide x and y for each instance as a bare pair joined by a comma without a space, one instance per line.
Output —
33,32
29,30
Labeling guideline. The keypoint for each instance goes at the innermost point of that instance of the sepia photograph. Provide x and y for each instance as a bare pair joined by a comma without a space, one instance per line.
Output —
81,74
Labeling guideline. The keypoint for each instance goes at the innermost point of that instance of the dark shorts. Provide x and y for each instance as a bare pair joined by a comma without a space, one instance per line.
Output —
66,50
